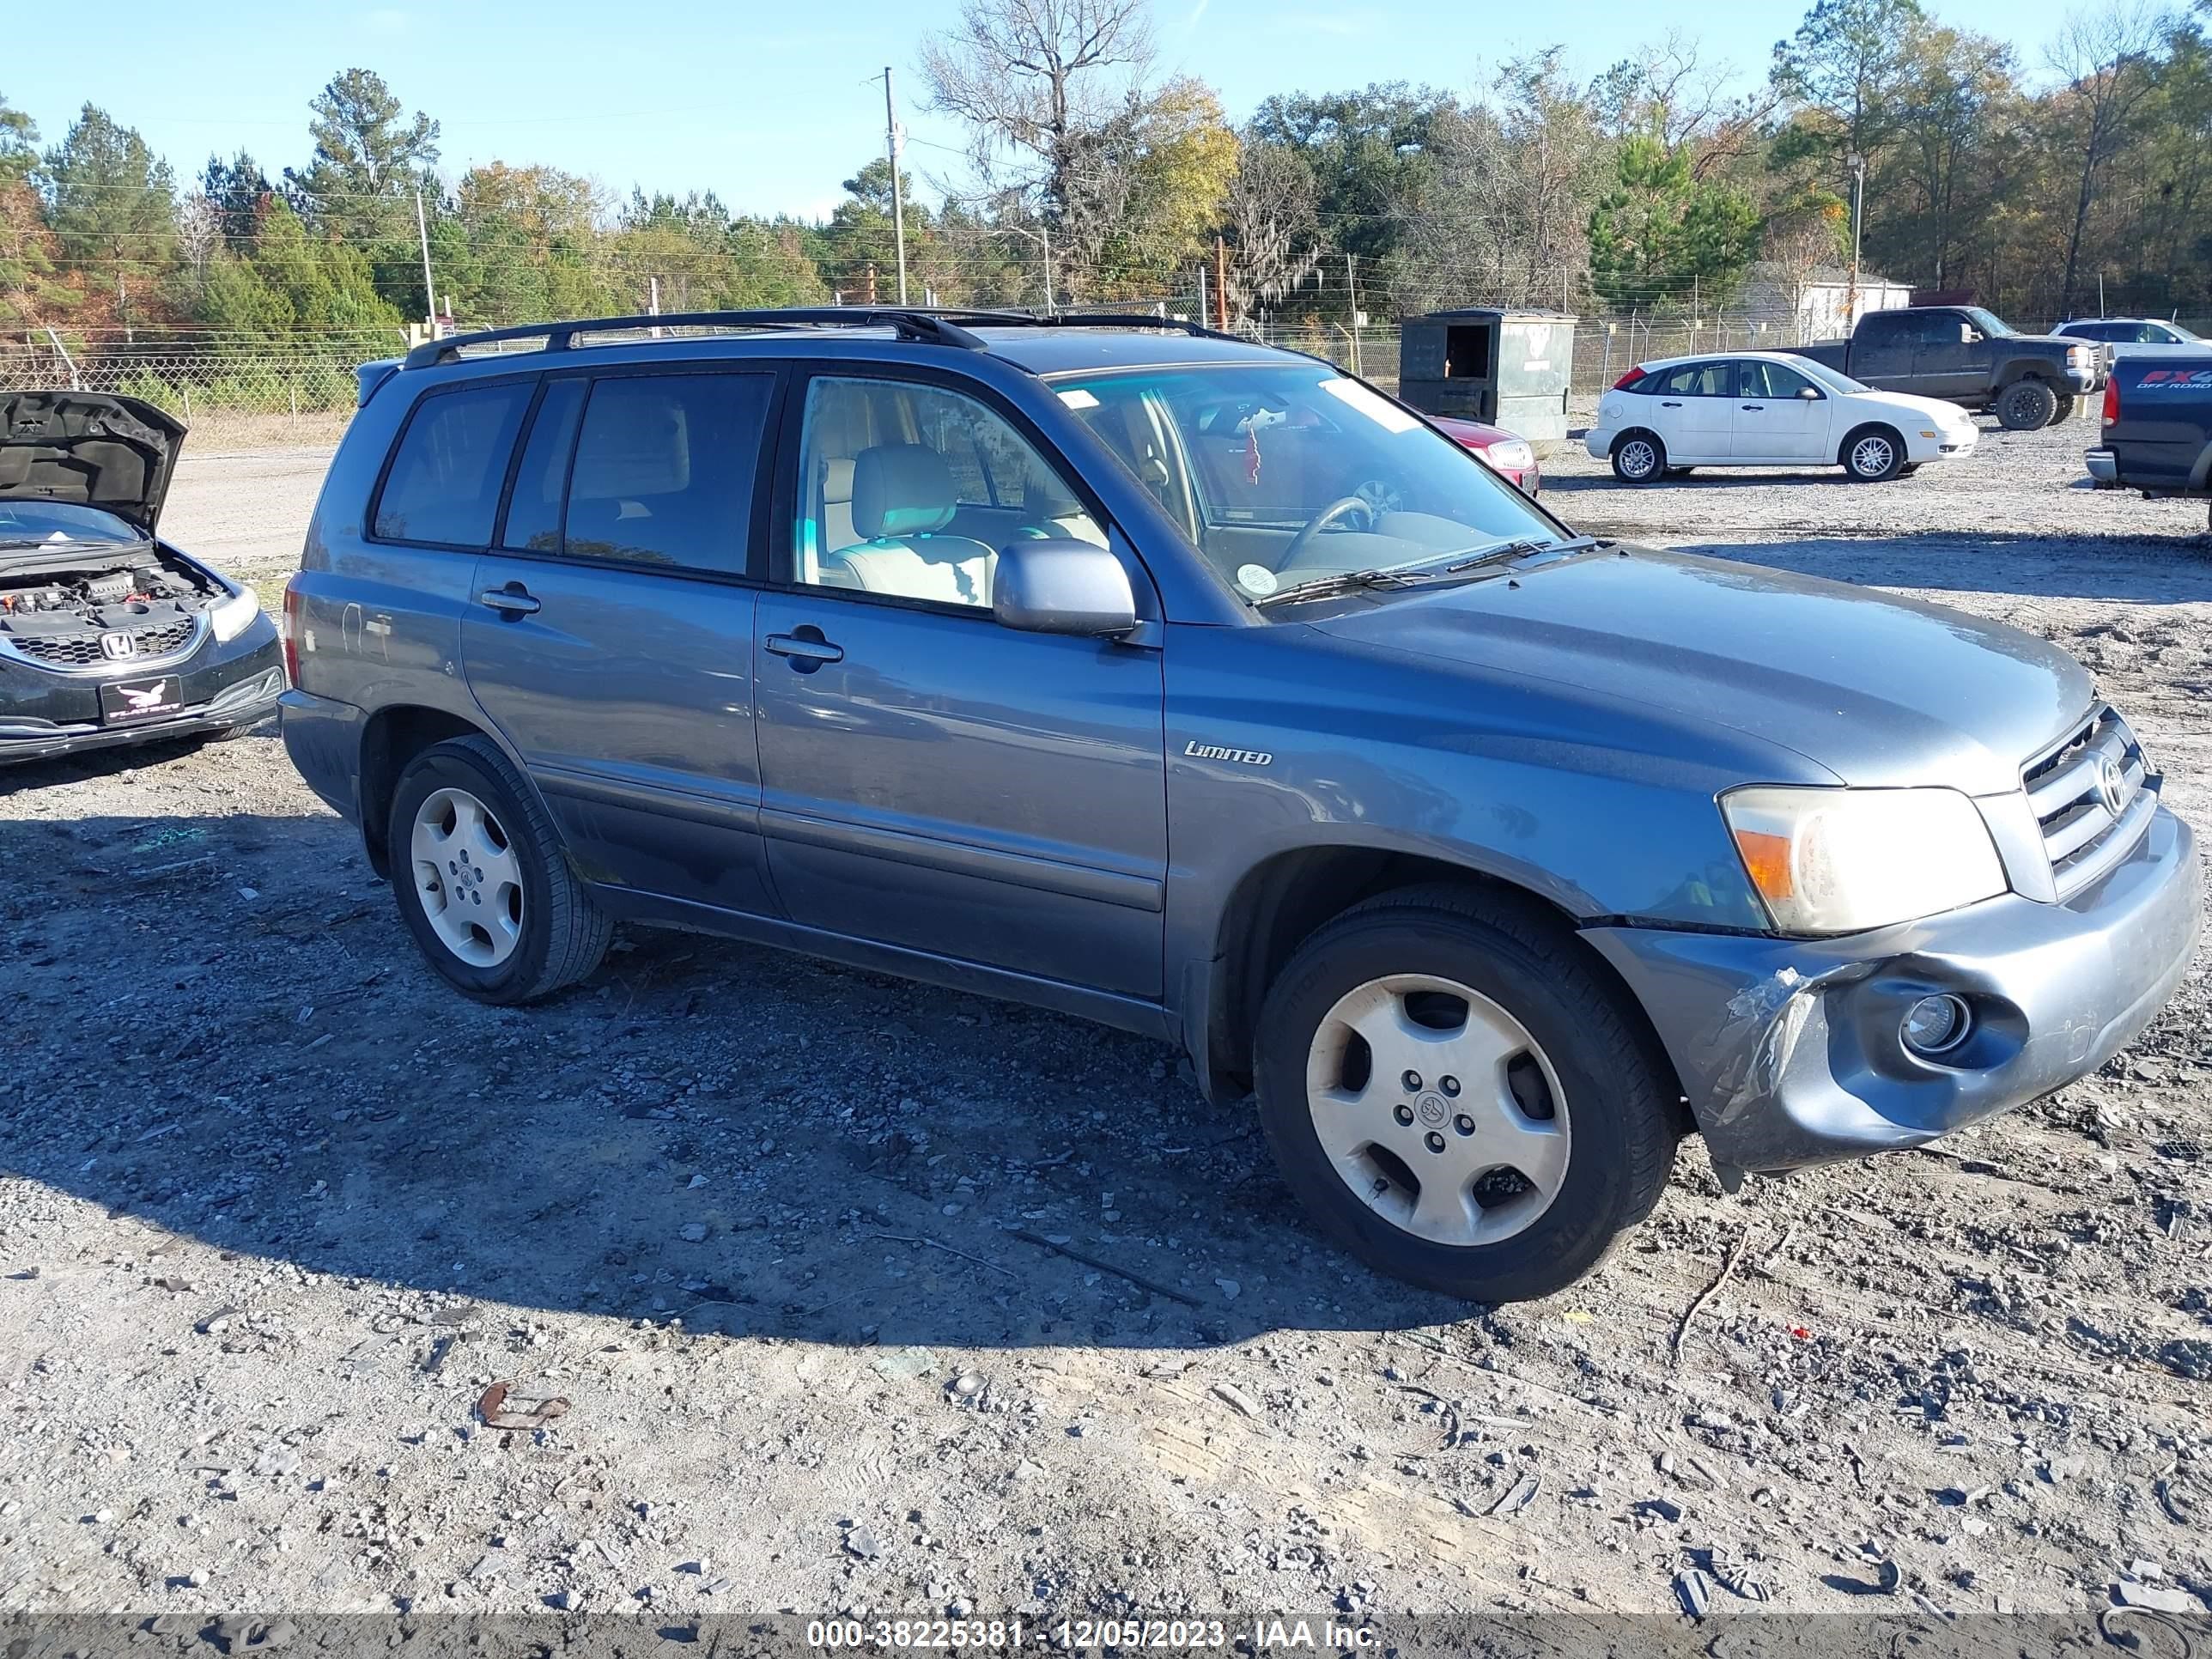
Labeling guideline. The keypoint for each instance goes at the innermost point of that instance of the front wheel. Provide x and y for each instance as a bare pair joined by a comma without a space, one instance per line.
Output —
1874,453
2064,411
1457,1097
2027,406
1638,458
482,881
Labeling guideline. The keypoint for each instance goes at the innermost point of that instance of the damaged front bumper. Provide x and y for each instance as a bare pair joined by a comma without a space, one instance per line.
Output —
1790,1051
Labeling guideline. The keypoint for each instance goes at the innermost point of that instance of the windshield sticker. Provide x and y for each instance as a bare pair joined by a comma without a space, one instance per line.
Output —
1076,398
1256,578
1377,409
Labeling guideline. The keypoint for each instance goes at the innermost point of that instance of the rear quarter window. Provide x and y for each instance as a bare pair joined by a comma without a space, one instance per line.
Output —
444,482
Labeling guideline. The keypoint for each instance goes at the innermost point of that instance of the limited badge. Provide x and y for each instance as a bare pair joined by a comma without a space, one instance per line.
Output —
1256,578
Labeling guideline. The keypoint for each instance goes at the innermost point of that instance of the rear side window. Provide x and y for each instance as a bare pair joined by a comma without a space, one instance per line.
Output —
664,469
445,480
533,511
1883,330
1700,380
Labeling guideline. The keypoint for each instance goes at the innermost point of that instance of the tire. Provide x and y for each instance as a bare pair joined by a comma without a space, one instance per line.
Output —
524,925
1548,1022
1638,457
1873,454
2065,410
2026,406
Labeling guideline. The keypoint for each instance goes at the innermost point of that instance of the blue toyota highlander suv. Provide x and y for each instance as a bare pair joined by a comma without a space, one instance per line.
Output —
1151,675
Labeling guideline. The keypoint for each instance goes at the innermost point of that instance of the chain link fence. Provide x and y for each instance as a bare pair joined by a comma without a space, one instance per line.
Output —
243,395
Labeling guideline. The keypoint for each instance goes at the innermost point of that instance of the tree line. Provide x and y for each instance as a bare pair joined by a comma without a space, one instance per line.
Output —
1088,176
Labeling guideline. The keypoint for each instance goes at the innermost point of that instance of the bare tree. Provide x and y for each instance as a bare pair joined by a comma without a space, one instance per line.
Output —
2106,56
1269,221
1031,77
1795,248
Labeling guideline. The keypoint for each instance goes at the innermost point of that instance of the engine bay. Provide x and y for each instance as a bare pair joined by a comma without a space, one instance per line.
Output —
55,599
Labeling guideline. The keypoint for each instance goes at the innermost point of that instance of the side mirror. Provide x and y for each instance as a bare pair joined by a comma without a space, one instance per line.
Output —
1062,587
1968,334
1811,394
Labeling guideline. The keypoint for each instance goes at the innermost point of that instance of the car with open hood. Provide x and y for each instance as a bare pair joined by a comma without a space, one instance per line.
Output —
108,635
1144,673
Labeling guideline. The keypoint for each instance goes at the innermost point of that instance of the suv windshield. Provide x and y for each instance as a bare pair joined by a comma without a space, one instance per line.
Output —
1284,475
34,523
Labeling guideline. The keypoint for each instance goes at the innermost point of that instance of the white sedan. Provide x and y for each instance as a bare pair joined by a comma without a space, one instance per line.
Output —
1768,409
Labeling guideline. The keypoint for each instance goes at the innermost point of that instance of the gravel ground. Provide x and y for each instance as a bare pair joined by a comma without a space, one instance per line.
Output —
276,1209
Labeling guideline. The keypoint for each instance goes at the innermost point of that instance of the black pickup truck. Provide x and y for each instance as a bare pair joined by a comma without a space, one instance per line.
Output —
2158,426
1967,356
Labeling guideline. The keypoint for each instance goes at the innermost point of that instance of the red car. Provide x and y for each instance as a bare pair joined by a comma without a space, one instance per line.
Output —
1511,457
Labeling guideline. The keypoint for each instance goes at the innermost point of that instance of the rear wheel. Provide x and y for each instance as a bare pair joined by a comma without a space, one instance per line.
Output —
1874,453
2064,411
2026,406
1458,1099
482,881
1638,457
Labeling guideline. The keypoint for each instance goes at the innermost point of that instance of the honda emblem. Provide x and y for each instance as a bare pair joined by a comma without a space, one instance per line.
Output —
116,647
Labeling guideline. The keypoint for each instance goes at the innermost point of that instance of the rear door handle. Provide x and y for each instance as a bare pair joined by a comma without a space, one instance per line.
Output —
511,600
1754,406
806,654
1663,404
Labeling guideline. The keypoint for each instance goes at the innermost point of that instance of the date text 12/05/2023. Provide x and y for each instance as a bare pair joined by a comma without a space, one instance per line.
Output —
1081,1635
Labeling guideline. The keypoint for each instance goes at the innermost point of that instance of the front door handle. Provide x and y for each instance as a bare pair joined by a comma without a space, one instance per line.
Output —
1755,407
806,649
511,600
1663,404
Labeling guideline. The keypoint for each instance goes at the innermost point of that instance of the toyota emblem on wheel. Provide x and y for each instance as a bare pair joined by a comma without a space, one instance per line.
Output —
116,647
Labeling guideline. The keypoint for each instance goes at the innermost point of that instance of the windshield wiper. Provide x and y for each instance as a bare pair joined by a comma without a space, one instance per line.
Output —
1388,576
1415,571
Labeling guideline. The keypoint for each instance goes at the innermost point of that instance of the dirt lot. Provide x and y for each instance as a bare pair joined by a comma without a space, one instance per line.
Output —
276,1208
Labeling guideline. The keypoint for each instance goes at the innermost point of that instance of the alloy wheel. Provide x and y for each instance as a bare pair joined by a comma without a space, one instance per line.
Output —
1871,457
1438,1109
1637,459
468,877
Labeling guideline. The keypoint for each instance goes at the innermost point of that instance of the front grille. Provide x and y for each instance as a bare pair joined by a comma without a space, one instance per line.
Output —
82,650
2088,799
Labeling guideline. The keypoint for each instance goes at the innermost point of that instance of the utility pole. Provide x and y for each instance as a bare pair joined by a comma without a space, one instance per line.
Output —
429,294
1351,292
1856,163
1204,306
1221,284
898,201
652,301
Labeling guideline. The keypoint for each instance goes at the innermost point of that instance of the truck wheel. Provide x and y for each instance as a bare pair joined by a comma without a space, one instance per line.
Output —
482,881
2026,406
2065,411
1873,454
1458,1098
1638,457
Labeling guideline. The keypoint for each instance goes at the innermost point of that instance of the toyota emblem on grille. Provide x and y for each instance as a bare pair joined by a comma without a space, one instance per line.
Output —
116,647
2111,785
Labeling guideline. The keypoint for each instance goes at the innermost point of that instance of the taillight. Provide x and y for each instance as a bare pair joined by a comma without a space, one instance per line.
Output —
2113,398
292,630
1629,379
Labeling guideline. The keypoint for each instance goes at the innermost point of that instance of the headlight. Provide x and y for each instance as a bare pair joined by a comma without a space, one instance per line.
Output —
231,617
1843,861
1514,455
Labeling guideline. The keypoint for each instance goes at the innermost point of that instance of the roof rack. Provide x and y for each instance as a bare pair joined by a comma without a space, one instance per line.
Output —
924,325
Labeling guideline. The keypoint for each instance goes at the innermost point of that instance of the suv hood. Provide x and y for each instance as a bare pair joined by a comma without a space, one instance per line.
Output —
91,448
1877,690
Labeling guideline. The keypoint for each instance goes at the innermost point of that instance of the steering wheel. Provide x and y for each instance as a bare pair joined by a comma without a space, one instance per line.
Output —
1342,507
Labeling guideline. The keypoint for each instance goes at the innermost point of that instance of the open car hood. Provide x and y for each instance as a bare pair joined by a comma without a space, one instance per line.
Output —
91,448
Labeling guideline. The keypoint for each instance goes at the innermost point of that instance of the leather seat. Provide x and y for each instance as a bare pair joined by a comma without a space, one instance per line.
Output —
902,497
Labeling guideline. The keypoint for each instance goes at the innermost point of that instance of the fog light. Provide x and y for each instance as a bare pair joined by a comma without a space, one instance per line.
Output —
1936,1025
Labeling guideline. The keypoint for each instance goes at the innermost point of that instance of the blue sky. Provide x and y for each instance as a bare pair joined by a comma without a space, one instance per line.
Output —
771,106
